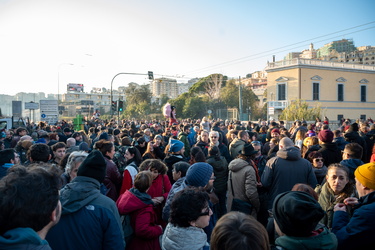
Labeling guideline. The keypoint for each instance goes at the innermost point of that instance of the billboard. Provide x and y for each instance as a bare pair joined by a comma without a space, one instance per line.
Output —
77,87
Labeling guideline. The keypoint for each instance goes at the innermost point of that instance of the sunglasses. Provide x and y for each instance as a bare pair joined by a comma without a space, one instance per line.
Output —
207,212
213,137
318,160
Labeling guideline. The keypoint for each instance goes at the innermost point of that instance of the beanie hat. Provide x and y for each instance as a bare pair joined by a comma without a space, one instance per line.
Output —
104,136
275,130
297,213
365,174
84,146
67,130
326,135
199,174
158,137
175,145
94,166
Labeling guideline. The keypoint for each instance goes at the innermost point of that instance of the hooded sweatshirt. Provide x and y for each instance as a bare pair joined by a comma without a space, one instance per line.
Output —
22,238
89,220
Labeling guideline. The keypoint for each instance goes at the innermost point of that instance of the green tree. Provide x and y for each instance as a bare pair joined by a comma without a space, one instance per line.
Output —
300,110
230,96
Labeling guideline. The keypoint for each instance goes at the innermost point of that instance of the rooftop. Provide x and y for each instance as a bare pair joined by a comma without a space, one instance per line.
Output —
312,63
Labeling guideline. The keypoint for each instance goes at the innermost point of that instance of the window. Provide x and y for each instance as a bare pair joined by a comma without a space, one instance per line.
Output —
363,117
363,93
339,117
340,92
281,92
315,91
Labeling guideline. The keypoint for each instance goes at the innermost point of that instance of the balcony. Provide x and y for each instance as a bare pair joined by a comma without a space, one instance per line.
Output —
278,104
317,63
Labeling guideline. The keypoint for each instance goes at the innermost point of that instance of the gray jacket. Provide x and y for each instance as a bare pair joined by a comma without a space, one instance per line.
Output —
244,184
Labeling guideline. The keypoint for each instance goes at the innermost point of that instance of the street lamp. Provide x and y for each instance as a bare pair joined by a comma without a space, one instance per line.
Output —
58,80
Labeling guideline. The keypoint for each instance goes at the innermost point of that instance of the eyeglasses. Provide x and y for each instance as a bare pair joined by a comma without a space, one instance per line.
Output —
207,212
213,136
318,160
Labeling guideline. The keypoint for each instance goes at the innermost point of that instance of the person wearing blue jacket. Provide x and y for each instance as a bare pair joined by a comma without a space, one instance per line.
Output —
89,219
358,231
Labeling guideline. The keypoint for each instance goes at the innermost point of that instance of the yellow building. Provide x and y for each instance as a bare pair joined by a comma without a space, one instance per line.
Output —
342,89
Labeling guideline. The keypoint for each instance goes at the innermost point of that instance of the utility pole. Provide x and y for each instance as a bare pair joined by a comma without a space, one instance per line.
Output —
239,98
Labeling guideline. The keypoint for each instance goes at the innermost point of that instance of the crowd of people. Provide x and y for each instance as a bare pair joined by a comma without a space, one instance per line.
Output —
188,184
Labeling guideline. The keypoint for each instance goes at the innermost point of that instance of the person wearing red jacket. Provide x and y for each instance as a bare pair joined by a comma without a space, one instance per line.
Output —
143,219
160,186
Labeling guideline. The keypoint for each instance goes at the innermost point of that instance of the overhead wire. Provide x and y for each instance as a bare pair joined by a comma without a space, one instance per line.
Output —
277,50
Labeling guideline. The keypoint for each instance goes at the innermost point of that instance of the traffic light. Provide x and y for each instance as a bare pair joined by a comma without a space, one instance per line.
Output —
114,105
120,106
151,75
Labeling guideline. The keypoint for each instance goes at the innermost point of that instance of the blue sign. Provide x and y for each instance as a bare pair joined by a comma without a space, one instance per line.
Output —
43,115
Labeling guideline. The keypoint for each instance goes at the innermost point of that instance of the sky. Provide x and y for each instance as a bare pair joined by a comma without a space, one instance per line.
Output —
46,44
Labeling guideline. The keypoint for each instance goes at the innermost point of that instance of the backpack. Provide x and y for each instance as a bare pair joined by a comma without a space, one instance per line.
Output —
127,228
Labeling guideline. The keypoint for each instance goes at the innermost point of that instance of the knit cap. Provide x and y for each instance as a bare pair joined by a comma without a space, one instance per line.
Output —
297,213
175,145
84,146
275,130
199,174
365,174
326,135
93,166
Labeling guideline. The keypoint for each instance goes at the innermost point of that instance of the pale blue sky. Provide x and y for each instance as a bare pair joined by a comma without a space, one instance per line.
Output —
39,38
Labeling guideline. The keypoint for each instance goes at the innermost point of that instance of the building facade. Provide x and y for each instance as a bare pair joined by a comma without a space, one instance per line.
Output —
341,89
164,86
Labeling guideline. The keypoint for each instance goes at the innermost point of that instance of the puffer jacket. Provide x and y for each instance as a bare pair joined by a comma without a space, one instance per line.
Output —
244,184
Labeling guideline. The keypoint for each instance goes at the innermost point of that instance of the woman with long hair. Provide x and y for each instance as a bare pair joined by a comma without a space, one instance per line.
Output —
149,154
300,136
335,190
133,160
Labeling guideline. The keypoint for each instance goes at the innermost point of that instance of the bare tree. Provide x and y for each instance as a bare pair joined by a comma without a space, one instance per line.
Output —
213,86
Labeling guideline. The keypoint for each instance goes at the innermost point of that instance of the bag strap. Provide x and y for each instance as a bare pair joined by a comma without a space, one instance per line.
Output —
231,183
